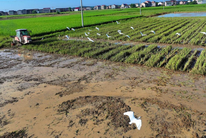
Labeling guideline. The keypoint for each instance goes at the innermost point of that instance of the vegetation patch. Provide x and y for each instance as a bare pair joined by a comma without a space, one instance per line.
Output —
15,134
101,109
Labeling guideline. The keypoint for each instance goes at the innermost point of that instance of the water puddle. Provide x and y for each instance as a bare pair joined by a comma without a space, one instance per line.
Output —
199,14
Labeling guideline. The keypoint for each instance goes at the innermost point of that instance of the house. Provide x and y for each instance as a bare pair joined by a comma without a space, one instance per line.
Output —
146,4
2,13
77,9
46,10
30,11
113,6
103,7
123,6
24,11
137,4
62,9
168,3
160,4
153,4
12,12
183,2
98,7
19,12
88,8
149,3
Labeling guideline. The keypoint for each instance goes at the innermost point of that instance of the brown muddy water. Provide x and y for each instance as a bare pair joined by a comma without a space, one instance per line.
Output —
47,95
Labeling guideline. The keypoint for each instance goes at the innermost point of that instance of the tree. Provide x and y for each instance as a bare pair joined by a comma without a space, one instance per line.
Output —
34,12
132,5
70,9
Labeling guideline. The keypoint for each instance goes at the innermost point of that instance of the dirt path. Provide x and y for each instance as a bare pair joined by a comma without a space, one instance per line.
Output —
62,96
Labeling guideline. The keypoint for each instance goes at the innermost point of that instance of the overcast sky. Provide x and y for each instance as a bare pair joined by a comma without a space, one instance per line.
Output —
6,5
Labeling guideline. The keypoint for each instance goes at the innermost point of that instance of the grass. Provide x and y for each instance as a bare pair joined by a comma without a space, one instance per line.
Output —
50,24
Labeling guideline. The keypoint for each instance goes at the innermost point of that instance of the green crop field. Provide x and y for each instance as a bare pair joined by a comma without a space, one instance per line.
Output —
48,32
50,24
165,29
168,57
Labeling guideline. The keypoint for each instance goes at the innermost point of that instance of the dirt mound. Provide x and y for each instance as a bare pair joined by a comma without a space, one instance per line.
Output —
171,120
15,134
102,109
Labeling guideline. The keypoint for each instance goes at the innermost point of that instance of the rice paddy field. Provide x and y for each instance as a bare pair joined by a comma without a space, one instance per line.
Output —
48,34
165,31
79,83
169,57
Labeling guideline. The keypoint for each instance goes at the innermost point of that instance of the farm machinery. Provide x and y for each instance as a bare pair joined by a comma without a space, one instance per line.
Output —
22,37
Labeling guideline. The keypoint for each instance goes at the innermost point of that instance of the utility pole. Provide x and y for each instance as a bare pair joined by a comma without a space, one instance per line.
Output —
140,7
6,13
82,14
163,4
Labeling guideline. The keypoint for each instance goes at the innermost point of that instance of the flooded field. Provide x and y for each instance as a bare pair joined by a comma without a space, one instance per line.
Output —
195,14
47,95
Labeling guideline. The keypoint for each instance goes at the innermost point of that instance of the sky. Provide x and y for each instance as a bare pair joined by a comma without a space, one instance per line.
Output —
6,5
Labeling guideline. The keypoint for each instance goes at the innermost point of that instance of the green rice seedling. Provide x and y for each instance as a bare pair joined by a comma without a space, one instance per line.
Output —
155,59
137,56
113,52
176,61
98,51
190,61
168,57
195,31
173,37
125,53
167,31
200,65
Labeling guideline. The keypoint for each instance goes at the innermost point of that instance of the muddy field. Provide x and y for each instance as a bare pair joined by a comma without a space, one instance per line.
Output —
44,95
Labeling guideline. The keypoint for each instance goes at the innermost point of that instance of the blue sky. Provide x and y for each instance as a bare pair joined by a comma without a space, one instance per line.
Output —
6,5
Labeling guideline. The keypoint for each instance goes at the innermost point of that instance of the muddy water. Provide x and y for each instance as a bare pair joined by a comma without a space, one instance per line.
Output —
62,96
198,14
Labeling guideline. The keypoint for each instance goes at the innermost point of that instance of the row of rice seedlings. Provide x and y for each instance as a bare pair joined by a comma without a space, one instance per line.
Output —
172,36
176,61
147,30
78,49
125,53
200,66
164,35
113,31
183,31
135,34
148,55
156,29
99,51
159,34
113,52
168,57
199,38
191,34
190,61
155,59
127,30
137,56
